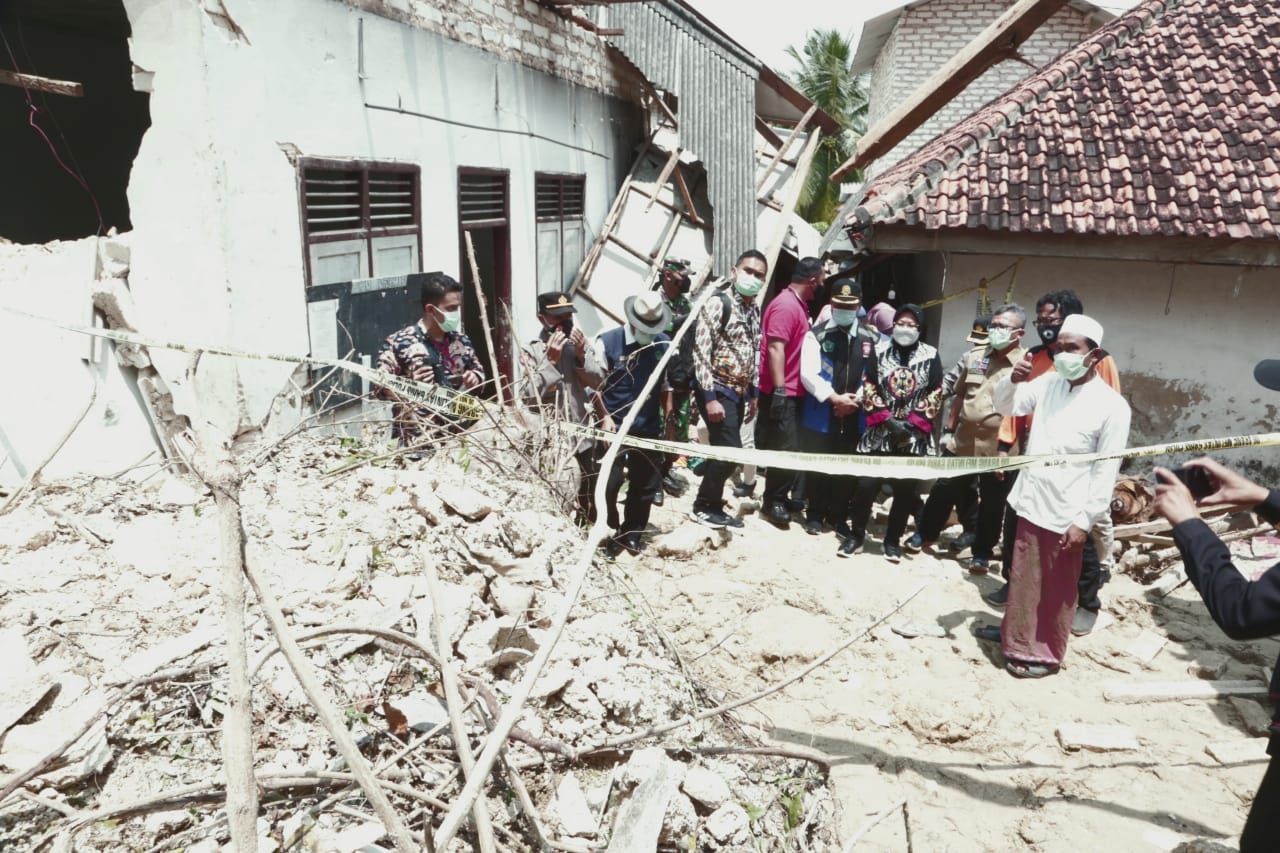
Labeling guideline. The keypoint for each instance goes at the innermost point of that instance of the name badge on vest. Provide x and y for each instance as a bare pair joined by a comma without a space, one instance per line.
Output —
866,348
979,366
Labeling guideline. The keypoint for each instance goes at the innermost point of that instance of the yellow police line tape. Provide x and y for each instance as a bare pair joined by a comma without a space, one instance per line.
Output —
452,403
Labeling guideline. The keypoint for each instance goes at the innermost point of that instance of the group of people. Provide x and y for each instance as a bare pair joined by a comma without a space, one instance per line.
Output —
856,382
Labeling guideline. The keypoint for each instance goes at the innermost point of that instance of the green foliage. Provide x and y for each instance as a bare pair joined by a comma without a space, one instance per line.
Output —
792,800
825,75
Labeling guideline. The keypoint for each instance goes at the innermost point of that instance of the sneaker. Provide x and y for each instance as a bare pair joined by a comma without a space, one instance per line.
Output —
713,518
813,526
1084,620
849,546
744,490
964,540
998,599
777,515
915,544
794,505
658,498
843,531
978,566
732,521
892,553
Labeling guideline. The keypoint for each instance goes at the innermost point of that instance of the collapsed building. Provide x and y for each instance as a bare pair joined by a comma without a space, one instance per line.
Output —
263,178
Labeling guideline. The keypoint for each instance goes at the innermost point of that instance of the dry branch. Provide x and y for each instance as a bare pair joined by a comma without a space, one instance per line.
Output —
12,500
484,317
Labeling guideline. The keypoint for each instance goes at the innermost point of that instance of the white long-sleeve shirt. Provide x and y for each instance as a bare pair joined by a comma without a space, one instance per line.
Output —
1089,418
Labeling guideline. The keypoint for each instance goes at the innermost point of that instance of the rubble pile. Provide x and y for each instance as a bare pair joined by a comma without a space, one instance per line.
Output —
109,598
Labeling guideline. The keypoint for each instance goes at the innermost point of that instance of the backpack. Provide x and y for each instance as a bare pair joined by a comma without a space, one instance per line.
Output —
680,370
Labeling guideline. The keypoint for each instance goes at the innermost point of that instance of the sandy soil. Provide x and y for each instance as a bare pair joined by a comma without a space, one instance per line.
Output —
937,721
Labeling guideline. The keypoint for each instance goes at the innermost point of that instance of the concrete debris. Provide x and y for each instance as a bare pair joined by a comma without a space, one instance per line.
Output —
1097,738
154,657
24,684
421,711
1239,751
652,779
465,501
571,809
1254,717
679,824
1209,667
706,787
726,822
690,539
27,529
511,599
525,529
1146,646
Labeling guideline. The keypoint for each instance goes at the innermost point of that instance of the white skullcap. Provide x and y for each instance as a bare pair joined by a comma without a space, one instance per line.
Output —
1079,324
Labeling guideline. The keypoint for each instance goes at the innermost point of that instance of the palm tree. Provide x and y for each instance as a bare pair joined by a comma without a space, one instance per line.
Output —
824,74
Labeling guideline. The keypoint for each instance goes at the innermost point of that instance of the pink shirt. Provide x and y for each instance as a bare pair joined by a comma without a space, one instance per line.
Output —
787,319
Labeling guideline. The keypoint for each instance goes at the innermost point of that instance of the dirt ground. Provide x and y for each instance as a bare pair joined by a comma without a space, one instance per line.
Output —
938,722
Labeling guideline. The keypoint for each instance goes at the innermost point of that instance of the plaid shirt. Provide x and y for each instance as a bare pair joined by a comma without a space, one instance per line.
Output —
729,361
411,346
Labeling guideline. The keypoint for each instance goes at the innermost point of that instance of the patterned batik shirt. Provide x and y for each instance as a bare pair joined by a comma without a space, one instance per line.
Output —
905,385
730,360
403,351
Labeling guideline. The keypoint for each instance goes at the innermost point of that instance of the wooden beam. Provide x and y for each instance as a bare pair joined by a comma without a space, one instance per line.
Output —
999,41
792,196
672,159
770,135
583,293
687,197
786,143
41,84
1157,249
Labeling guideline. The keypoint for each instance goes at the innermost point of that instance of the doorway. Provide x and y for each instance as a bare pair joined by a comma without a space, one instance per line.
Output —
484,214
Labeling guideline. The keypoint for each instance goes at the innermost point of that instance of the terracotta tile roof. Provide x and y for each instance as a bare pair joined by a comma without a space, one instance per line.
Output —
1164,122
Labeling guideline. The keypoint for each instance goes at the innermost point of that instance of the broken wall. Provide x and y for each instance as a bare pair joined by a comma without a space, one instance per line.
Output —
1185,338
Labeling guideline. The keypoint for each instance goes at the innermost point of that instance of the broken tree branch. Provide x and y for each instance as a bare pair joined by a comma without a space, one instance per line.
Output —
314,691
871,824
573,591
12,500
453,704
484,317
653,731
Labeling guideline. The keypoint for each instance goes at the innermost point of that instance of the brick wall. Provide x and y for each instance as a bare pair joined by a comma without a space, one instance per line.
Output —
515,30
929,35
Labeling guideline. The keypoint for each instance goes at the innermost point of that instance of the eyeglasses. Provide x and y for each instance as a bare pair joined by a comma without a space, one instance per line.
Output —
1003,326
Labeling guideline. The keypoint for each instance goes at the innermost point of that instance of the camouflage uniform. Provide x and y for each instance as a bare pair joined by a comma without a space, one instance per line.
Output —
403,352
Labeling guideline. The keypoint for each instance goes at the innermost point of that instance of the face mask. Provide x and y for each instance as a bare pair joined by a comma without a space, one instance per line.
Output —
845,317
645,338
999,338
1048,334
747,285
905,336
452,321
1070,365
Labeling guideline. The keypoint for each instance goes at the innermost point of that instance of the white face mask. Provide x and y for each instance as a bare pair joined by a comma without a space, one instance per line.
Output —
747,285
645,338
999,338
905,336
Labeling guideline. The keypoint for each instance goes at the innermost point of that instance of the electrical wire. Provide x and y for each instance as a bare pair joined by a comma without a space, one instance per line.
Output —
35,111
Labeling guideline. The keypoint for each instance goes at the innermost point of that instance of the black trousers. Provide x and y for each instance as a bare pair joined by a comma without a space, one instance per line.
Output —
1262,829
778,435
726,433
906,495
987,511
642,470
589,471
1090,567
829,495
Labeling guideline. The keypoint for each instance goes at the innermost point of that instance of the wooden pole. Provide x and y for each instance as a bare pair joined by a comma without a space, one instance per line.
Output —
484,319
41,84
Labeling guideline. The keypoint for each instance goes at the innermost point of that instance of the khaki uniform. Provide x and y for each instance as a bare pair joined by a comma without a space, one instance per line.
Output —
973,380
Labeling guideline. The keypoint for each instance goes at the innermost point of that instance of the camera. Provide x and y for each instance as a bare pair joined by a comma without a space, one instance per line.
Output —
1197,480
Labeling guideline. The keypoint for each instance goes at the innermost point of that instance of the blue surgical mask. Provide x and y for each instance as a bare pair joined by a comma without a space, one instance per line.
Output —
844,317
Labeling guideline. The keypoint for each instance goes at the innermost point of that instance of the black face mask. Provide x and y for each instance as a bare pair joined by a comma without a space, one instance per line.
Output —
1048,334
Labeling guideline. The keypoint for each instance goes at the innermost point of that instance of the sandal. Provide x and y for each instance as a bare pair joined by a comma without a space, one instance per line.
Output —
1029,670
990,633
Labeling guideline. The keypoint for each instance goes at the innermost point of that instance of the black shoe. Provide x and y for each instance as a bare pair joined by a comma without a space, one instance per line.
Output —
998,599
964,540
658,498
914,544
1082,623
713,518
673,485
813,526
744,490
849,546
843,531
794,505
777,515
990,633
892,553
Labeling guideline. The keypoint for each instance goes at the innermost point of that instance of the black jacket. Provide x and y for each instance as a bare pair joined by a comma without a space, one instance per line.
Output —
1244,610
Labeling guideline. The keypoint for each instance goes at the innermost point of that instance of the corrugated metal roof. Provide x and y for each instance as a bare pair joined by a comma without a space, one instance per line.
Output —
715,81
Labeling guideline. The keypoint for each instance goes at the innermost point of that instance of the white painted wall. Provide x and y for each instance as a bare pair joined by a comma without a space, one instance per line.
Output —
1185,339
